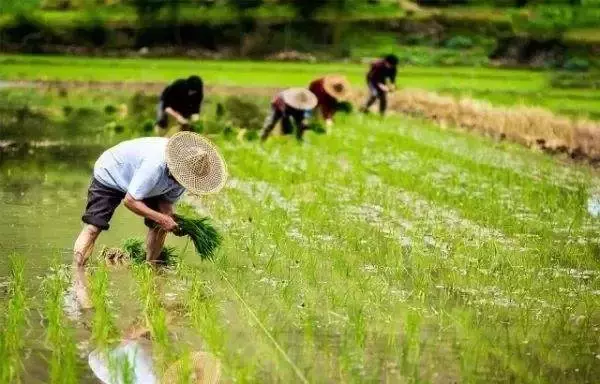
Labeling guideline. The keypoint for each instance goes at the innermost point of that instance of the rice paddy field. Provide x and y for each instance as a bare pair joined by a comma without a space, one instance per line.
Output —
389,251
499,86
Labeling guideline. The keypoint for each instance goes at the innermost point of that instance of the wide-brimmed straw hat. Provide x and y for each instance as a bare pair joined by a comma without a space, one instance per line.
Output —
299,98
202,368
337,87
196,163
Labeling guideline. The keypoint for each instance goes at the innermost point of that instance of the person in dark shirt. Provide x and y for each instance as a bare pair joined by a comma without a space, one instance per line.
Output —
291,104
330,90
180,100
381,72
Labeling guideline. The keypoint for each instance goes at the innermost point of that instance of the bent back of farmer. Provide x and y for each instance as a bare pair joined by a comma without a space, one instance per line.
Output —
291,104
181,100
148,175
381,79
330,91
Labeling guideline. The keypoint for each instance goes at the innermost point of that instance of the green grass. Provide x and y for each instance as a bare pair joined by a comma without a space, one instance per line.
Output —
501,86
390,250
63,366
104,331
123,15
14,322
391,268
154,315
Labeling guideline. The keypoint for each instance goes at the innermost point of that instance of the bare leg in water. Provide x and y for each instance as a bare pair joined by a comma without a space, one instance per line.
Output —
155,240
84,245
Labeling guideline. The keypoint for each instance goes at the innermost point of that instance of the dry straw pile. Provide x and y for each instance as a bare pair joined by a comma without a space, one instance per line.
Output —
534,127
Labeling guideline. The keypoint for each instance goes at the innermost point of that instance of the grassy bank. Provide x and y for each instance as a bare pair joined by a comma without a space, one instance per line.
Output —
499,86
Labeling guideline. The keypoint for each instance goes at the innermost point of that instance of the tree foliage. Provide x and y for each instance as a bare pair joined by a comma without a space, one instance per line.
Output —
244,5
18,6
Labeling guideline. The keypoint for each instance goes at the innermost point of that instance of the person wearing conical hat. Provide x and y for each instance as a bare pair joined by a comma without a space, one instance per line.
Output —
381,79
291,104
148,175
330,91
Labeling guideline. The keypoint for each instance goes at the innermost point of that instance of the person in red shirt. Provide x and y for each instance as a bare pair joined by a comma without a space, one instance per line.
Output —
381,72
291,104
330,90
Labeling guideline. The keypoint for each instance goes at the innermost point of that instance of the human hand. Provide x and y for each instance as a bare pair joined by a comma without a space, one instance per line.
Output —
167,223
183,121
328,123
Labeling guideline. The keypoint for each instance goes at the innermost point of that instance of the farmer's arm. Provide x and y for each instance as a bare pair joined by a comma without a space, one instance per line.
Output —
176,115
166,221
146,177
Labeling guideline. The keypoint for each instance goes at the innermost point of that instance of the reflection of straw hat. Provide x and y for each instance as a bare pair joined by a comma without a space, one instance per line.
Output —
337,87
196,163
299,98
200,368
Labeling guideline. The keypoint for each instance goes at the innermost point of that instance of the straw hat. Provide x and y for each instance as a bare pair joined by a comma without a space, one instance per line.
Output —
299,98
196,163
202,368
337,87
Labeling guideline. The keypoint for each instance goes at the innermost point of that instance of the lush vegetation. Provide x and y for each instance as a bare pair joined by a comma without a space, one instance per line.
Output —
425,255
505,87
552,35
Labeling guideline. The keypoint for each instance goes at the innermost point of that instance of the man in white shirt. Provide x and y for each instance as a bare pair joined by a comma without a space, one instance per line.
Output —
149,175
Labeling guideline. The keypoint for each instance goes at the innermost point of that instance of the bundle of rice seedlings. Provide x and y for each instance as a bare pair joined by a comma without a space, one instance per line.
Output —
135,248
169,256
203,234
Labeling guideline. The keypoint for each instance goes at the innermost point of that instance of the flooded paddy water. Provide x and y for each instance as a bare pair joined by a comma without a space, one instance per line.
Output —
388,251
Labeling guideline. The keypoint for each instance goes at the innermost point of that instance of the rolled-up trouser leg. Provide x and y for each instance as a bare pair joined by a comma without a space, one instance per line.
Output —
270,123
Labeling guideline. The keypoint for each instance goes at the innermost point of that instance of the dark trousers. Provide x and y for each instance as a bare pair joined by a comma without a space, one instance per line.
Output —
286,123
376,94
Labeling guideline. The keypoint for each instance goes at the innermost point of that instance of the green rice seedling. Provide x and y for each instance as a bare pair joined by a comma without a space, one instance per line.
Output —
203,234
154,314
170,256
104,331
135,249
13,325
59,335
122,371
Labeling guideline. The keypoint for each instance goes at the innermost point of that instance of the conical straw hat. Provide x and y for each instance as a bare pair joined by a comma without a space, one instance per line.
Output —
299,98
196,163
202,368
337,87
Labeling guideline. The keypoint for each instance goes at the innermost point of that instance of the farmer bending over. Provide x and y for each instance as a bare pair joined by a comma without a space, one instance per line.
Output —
148,175
381,72
180,100
293,103
330,91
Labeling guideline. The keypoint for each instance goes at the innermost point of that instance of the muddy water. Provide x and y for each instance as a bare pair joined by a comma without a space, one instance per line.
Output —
42,196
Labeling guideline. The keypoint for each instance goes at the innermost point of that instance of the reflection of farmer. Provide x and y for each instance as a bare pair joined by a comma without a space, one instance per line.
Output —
181,100
330,90
132,359
148,175
291,104
381,72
